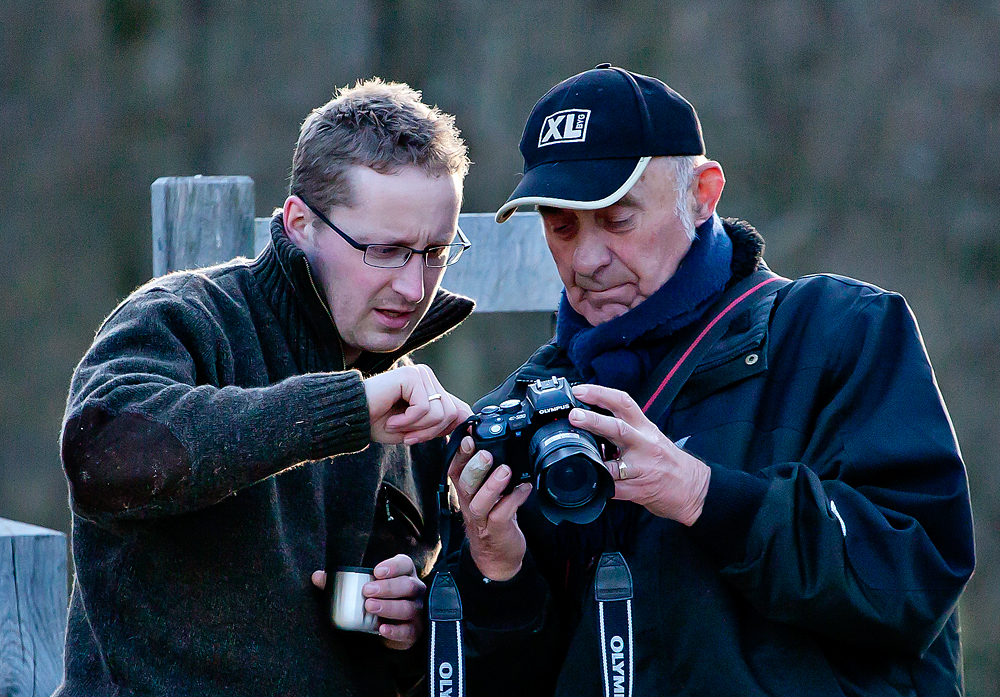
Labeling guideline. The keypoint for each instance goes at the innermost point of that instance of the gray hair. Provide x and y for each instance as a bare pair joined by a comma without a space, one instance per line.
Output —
683,167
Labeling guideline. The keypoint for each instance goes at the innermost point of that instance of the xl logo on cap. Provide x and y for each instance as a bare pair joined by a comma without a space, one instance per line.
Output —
566,126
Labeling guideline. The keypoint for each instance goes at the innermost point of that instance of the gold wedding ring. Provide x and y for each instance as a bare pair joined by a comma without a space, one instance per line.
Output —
622,468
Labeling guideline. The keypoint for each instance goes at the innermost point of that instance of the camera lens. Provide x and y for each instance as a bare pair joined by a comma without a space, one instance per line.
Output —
571,481
565,461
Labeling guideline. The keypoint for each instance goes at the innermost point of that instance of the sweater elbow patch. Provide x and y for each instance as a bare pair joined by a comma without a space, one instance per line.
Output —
118,462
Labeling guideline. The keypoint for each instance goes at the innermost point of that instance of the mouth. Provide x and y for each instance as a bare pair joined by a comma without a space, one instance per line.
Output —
619,294
394,319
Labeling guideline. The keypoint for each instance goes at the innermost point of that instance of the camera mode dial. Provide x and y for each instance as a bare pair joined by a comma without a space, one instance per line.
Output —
510,406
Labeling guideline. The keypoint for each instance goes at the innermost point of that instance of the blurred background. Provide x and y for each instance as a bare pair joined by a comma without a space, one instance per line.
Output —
860,138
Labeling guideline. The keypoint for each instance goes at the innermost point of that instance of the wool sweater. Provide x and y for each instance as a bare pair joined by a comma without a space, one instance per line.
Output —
217,452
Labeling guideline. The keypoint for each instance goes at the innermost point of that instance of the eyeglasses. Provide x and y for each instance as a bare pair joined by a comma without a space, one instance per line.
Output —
393,256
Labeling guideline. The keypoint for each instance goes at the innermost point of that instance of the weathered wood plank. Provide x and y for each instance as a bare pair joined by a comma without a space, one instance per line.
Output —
200,221
508,268
32,609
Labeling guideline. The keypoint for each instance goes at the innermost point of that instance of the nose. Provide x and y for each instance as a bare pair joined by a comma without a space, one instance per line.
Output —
408,280
591,253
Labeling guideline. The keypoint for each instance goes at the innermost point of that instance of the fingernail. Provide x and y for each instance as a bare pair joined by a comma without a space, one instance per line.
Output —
381,571
504,473
370,588
373,606
577,415
466,445
579,390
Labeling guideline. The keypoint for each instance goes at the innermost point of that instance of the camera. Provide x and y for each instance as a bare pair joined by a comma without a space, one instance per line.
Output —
534,438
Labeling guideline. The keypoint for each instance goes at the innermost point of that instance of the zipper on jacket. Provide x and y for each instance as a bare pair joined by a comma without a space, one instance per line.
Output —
319,296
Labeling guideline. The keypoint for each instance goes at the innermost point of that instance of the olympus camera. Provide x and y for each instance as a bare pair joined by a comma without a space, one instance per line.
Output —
534,438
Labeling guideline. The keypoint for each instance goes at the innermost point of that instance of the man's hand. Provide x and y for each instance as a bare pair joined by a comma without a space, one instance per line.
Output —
664,479
397,597
496,542
408,405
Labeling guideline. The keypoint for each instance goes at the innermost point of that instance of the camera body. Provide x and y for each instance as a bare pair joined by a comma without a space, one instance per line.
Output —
534,438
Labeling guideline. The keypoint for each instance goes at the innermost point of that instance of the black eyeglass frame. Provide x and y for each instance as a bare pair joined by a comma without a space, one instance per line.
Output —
463,242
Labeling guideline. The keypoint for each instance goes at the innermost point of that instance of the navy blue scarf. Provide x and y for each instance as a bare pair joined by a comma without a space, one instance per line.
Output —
621,352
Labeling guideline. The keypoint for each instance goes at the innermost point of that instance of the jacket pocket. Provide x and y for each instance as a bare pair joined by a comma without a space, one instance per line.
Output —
398,528
396,507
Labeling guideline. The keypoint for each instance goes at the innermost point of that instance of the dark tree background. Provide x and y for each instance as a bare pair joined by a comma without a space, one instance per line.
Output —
860,138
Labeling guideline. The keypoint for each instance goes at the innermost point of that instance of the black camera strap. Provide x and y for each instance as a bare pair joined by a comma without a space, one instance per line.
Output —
613,590
447,662
444,604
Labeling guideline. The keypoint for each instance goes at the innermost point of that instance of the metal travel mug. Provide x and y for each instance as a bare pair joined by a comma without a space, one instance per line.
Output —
347,605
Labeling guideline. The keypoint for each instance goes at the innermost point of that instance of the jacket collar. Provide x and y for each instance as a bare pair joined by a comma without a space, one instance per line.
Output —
296,300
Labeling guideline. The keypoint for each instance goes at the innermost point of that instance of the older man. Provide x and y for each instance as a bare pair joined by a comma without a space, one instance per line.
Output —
236,428
795,522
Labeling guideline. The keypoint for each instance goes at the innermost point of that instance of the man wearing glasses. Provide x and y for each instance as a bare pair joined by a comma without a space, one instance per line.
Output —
233,430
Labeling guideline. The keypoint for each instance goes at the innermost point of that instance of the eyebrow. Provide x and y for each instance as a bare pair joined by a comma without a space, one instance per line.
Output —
400,239
627,201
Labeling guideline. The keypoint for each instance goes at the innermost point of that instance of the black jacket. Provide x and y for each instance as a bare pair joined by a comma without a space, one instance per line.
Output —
834,542
198,444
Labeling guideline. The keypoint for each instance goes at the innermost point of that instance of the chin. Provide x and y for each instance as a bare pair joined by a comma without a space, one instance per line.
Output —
598,313
605,314
388,344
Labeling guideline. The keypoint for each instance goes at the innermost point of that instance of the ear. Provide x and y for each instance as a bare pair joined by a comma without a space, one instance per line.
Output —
298,223
708,184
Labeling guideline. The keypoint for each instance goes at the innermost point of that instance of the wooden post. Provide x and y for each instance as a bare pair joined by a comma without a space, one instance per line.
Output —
32,609
200,221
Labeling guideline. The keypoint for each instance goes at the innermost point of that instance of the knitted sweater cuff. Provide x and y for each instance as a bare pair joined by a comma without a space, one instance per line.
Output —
339,414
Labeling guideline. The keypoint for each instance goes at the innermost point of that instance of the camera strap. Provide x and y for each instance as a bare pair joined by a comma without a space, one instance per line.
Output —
613,580
447,662
667,379
613,590
444,604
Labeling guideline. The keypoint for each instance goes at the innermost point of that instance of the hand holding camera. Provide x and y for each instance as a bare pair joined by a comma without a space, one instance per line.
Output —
576,456
650,469
523,444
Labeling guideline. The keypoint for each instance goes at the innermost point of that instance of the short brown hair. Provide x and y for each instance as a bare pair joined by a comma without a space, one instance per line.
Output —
376,124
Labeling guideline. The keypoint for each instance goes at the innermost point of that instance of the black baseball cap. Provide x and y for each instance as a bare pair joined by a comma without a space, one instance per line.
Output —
588,140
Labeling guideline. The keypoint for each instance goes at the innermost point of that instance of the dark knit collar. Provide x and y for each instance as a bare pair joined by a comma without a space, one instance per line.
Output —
296,300
614,353
748,248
